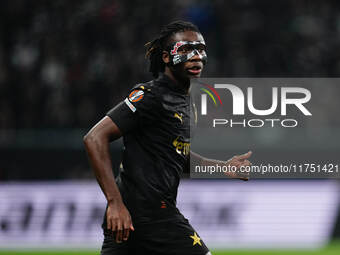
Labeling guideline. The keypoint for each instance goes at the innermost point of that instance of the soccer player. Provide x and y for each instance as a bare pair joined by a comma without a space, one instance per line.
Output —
141,215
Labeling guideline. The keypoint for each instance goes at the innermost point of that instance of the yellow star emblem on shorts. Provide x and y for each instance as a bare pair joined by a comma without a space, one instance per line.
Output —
196,239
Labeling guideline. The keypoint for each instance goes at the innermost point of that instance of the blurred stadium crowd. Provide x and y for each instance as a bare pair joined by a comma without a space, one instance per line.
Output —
63,64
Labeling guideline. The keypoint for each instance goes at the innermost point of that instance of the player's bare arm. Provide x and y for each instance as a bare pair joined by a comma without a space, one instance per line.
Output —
237,161
97,142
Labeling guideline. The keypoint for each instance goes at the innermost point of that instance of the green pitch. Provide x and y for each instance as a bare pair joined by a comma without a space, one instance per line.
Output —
331,249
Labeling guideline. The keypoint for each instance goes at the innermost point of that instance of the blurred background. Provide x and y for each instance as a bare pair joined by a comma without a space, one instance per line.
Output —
64,64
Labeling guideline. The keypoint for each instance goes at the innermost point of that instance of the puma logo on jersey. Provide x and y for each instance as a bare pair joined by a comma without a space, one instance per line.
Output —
179,116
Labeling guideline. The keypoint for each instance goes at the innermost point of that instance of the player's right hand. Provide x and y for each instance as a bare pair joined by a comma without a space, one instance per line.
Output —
119,221
239,161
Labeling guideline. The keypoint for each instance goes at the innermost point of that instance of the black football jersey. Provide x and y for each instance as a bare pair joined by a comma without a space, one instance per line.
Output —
155,122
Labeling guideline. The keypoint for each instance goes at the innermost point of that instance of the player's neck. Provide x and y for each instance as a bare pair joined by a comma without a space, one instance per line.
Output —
183,84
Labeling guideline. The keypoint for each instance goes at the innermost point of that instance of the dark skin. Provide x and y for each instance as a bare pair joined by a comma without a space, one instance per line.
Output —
179,73
97,142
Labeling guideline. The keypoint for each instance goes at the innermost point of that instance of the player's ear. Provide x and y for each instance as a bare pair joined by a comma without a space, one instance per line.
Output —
165,57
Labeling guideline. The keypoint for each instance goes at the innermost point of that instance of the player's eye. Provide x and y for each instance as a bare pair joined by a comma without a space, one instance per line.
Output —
185,49
201,48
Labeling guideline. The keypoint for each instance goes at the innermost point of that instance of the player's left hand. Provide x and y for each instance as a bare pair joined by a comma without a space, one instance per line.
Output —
239,161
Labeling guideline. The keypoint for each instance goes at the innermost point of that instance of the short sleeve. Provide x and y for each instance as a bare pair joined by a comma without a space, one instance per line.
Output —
138,109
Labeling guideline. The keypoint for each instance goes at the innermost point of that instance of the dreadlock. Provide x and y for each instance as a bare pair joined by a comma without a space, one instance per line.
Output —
155,47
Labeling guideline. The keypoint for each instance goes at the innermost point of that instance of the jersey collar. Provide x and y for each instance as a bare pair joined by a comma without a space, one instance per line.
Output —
166,80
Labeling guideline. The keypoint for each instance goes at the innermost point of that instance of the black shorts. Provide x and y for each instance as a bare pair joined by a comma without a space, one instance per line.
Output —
175,237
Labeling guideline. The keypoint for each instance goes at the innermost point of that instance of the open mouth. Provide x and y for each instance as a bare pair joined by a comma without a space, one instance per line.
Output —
194,70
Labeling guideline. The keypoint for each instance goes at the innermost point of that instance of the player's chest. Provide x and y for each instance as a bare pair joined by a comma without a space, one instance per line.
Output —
176,115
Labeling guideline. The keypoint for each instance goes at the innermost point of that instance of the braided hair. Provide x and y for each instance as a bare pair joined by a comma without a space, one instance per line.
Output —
154,48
